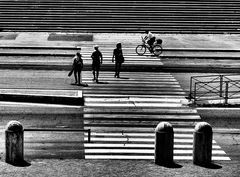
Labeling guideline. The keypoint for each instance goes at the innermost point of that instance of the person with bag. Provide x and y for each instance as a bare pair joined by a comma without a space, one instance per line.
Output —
77,67
119,59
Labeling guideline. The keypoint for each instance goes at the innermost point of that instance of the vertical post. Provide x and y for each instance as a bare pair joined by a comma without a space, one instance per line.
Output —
202,144
89,135
221,85
190,92
164,144
195,92
226,93
14,143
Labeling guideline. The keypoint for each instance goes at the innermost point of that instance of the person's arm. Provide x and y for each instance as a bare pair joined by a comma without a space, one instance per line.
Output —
145,37
74,61
113,56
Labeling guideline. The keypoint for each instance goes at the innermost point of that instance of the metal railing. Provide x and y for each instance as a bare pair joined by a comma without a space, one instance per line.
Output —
214,87
61,130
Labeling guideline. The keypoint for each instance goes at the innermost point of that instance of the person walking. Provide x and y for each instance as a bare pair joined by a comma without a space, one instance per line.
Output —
77,67
119,59
96,62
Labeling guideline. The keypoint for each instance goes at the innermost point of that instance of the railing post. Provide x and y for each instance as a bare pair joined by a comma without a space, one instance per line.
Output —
221,85
226,93
14,143
195,93
89,135
190,92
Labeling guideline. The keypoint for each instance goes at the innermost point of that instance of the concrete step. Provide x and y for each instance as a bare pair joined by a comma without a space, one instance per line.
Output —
67,97
107,11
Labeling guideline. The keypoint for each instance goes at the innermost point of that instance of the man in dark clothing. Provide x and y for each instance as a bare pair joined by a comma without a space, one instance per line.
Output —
96,62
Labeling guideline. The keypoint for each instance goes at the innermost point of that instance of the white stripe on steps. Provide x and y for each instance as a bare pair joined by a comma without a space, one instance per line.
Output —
127,157
120,135
107,145
143,151
126,139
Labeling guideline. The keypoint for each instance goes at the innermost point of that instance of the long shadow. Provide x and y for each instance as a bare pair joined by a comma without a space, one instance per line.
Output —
123,78
171,165
82,84
102,82
210,166
22,163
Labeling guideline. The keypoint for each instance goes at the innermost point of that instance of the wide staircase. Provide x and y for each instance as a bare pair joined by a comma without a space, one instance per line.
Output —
123,113
175,16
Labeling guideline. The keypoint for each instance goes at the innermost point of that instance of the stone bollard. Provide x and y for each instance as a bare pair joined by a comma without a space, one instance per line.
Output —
164,144
14,143
202,144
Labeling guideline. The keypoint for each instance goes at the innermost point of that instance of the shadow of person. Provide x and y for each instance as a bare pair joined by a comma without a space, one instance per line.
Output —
21,163
123,78
210,165
99,82
173,165
170,165
83,84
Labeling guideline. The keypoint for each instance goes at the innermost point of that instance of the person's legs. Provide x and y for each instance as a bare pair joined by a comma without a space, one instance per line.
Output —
94,78
119,69
150,46
79,77
118,65
116,69
93,71
75,76
150,42
97,71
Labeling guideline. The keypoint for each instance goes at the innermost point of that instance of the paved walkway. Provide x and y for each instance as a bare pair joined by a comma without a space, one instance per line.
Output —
202,41
169,60
117,100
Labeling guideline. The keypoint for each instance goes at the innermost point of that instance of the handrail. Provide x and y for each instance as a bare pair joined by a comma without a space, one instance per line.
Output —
62,130
204,88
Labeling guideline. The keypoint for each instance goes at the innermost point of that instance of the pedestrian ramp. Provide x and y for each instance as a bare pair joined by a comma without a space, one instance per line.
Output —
123,113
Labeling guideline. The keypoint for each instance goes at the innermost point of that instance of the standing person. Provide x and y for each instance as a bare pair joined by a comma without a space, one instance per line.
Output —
96,62
77,67
119,59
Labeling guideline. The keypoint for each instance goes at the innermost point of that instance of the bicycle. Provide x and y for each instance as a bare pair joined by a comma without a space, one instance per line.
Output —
156,48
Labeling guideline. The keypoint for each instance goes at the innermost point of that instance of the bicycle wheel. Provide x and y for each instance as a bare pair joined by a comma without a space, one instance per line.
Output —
141,49
157,50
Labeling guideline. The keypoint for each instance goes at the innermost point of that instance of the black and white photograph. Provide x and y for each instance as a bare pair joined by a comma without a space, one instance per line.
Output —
119,88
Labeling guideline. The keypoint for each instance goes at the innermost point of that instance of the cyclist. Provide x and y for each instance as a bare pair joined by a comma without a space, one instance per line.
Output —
150,38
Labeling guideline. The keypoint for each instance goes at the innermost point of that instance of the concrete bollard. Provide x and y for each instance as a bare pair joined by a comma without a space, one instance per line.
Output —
202,144
164,144
14,143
